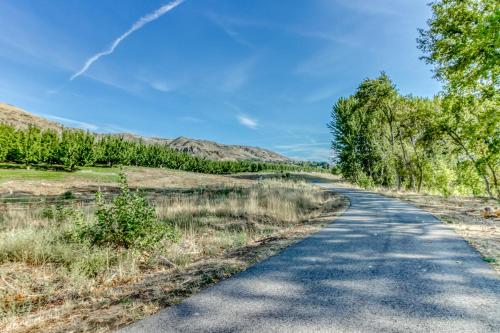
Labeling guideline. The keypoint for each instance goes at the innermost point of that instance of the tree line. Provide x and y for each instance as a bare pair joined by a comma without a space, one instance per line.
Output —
449,143
72,148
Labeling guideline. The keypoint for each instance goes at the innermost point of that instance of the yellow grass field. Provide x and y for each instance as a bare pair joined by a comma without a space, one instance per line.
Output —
53,283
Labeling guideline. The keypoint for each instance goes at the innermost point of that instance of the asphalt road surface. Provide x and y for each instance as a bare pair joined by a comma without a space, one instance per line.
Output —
383,266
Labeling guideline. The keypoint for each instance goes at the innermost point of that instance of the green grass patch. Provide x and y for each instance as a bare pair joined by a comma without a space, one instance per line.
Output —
25,174
101,174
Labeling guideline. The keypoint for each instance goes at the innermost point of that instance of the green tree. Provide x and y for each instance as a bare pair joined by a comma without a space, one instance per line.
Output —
463,43
7,141
29,145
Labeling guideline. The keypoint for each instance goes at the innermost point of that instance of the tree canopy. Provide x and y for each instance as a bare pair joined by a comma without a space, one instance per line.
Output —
463,43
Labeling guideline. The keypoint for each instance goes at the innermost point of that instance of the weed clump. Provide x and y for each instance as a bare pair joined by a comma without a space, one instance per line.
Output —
130,220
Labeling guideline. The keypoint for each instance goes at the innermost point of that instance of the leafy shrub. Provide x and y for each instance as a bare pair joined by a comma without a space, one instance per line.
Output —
364,181
130,220
60,213
336,170
48,212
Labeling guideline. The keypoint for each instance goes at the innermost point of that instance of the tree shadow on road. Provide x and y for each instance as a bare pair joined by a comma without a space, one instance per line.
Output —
383,266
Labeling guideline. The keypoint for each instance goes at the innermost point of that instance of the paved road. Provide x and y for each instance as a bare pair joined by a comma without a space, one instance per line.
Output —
384,266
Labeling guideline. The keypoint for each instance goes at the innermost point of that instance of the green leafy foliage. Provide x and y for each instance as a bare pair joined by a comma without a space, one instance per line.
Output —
128,221
450,144
382,138
463,43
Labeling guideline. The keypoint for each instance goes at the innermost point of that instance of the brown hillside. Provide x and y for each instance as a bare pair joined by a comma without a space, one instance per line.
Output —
18,118
218,151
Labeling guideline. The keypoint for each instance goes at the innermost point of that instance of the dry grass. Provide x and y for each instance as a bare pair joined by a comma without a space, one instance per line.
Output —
51,283
18,118
23,183
37,185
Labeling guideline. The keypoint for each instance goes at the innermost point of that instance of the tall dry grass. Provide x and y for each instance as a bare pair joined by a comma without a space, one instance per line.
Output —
44,269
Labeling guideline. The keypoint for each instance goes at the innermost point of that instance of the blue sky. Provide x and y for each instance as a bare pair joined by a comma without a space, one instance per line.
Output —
254,72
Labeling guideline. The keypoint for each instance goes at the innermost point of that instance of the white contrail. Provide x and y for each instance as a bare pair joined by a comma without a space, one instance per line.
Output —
136,26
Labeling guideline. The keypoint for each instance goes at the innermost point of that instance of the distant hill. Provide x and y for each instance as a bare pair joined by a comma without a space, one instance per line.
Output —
212,150
9,114
217,151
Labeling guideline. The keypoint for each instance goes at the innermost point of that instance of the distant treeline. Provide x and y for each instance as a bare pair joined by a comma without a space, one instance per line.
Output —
72,148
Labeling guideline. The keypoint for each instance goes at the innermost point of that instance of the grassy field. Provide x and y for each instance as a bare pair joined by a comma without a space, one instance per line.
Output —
33,184
102,175
54,282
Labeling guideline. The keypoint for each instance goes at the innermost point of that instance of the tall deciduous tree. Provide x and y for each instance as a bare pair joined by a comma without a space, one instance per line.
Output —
463,43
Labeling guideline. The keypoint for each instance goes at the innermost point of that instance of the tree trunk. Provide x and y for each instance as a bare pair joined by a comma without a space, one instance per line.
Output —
398,180
420,176
495,180
478,169
412,181
487,185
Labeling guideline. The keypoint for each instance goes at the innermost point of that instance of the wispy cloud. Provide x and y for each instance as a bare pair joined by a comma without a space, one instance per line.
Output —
321,63
301,146
113,128
238,75
73,122
314,151
136,26
247,121
226,26
161,86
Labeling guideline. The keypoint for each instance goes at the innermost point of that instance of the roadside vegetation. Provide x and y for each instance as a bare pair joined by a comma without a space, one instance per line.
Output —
86,267
449,144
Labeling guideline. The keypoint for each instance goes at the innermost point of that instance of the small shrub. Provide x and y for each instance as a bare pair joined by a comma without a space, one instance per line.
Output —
60,213
336,170
130,220
48,212
364,181
68,195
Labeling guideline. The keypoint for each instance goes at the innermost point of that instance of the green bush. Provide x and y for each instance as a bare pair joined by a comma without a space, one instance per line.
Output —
60,213
68,195
335,170
364,181
130,220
